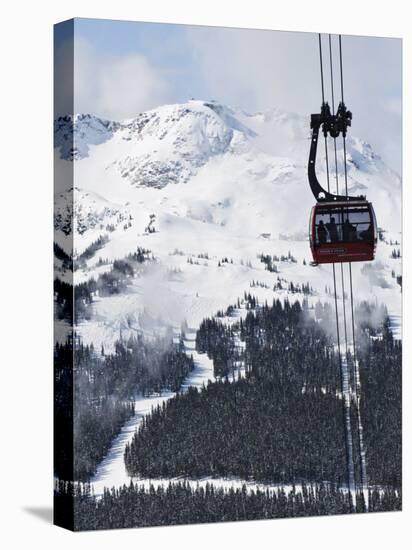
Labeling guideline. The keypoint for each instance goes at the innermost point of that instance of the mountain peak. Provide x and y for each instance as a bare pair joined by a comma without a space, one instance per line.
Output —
181,143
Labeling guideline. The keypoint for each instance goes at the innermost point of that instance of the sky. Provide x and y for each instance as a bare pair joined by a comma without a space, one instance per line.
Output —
123,68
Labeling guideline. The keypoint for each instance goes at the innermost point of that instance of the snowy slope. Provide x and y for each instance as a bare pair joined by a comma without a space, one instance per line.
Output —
74,134
81,216
213,182
228,159
112,470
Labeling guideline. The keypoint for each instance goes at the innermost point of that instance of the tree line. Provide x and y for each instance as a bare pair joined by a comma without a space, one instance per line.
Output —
283,422
179,503
95,391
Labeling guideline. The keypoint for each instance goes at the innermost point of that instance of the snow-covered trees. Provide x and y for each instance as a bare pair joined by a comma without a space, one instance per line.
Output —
282,422
94,395
179,503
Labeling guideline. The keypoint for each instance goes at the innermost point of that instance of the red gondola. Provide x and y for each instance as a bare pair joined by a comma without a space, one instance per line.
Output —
343,232
341,228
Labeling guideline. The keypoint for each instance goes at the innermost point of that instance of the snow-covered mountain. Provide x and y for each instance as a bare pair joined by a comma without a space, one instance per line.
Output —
80,211
198,182
221,154
74,134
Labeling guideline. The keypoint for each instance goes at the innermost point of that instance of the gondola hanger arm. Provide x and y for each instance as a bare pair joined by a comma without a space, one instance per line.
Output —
332,125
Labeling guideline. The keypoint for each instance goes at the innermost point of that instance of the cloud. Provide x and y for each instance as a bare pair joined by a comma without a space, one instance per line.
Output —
115,87
255,70
135,85
259,70
263,70
394,106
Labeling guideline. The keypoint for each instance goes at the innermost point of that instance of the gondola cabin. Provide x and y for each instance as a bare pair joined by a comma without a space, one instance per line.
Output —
343,232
